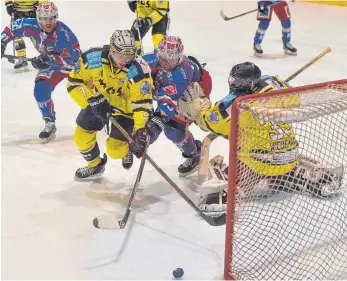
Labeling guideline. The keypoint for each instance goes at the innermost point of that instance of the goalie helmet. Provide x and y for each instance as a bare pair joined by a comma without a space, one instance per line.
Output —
244,77
122,48
170,51
46,10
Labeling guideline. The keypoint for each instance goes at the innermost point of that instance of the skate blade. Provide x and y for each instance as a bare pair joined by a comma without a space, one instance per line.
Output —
51,138
21,70
91,178
258,55
183,175
290,53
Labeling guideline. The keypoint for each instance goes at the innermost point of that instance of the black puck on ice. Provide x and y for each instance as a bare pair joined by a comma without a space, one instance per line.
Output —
178,272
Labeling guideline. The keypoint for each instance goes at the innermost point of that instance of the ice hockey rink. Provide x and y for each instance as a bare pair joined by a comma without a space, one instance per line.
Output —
47,230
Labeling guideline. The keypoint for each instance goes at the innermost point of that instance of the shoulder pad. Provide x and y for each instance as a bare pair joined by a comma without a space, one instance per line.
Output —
93,58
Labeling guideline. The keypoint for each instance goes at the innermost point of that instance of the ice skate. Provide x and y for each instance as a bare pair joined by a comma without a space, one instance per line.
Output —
48,133
289,49
191,164
21,65
258,51
87,173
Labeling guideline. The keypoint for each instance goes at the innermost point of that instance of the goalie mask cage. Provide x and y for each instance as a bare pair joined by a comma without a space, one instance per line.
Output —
277,229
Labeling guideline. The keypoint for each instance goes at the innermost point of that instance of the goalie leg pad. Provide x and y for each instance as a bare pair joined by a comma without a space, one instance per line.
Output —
213,197
312,177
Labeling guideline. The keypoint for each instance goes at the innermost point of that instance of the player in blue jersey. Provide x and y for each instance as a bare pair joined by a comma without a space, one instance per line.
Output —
281,10
174,76
59,51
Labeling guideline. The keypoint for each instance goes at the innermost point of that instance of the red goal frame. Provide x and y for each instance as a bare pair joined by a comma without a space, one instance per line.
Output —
229,232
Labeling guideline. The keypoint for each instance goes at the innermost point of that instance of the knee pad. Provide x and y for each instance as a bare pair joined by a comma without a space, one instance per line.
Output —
286,23
156,38
43,90
264,24
116,149
84,140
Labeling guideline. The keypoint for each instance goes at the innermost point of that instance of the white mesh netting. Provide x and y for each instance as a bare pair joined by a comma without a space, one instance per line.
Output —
290,207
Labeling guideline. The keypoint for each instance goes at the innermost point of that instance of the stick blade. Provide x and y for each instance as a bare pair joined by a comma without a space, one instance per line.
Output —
224,17
216,221
107,222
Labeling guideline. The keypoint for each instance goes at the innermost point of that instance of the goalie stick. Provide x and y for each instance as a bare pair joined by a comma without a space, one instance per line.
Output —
109,222
213,221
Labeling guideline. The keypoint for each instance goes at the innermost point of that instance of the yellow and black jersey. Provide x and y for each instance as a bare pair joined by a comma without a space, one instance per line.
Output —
153,9
24,5
128,90
265,147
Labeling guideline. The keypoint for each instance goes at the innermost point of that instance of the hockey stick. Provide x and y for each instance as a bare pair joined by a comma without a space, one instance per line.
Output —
204,157
224,17
138,32
110,222
214,221
11,58
322,54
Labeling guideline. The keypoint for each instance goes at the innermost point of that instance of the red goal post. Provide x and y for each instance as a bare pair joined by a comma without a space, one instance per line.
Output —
274,232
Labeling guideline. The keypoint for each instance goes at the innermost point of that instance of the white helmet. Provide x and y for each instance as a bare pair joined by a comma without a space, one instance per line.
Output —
123,42
47,10
122,48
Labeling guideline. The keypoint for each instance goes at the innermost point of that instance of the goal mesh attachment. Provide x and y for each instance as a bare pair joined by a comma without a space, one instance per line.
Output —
287,198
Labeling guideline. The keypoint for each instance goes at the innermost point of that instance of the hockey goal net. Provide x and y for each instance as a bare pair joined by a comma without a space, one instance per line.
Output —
287,198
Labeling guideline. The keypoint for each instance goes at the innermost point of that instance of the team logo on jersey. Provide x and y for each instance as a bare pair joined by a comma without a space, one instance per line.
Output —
94,60
213,117
120,81
170,90
145,88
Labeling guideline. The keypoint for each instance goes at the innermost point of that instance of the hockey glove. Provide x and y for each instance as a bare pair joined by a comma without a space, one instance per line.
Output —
154,127
10,8
263,7
139,145
132,5
144,24
100,107
3,47
41,62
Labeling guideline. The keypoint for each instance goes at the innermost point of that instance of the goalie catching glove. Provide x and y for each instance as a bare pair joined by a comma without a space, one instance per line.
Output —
192,102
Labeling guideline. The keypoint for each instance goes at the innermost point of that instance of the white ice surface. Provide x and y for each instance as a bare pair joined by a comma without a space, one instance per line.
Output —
47,230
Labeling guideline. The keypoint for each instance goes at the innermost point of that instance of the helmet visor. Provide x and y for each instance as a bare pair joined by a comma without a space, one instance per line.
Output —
121,60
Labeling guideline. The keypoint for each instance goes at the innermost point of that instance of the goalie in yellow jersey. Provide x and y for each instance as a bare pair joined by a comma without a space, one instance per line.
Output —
150,13
270,150
111,80
21,9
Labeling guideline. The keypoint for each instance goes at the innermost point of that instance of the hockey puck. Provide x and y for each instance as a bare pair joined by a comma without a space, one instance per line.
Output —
178,272
96,222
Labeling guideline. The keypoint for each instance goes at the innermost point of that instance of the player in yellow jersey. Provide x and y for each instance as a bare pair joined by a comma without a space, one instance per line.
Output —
150,13
21,9
269,150
111,80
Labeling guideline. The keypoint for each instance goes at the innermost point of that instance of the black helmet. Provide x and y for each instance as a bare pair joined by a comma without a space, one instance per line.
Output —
244,77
